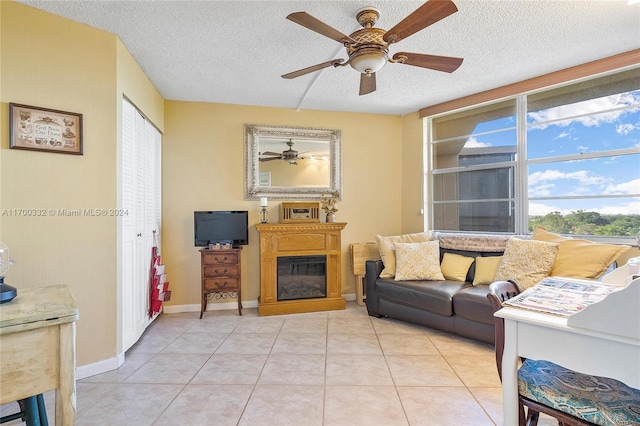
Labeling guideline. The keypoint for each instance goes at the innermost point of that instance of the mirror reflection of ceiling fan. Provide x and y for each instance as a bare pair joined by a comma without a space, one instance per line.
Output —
368,48
289,155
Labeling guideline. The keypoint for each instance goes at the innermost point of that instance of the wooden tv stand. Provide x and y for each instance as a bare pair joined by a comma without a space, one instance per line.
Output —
220,275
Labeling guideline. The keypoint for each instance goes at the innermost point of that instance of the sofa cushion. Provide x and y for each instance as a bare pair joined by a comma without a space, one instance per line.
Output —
472,303
475,254
455,267
486,268
418,261
388,250
580,258
431,296
526,261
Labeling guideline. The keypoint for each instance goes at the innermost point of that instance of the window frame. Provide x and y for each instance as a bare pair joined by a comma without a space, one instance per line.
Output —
521,163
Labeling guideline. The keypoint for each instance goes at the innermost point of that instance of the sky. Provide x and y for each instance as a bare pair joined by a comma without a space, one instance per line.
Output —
596,125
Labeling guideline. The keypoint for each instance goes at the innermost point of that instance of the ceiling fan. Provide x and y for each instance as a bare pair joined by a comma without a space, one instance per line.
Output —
289,155
368,48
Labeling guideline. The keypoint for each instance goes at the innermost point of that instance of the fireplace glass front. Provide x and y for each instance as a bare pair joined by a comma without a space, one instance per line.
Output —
302,277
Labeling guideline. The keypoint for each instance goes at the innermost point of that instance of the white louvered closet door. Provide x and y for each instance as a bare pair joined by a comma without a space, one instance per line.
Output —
140,198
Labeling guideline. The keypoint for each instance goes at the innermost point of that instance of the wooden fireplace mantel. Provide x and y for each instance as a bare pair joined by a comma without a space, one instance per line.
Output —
299,239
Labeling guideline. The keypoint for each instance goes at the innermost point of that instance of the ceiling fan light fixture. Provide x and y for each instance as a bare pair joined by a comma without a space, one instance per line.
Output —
369,61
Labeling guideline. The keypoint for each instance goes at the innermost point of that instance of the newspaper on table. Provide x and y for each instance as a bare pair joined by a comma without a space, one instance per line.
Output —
561,296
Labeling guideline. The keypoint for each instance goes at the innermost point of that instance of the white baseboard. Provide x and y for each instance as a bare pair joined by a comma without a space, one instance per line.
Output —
99,367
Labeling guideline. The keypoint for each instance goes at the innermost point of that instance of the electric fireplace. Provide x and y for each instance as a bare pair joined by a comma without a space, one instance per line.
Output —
300,267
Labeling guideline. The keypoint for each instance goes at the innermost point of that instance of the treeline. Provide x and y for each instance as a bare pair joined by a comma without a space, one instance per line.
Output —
588,223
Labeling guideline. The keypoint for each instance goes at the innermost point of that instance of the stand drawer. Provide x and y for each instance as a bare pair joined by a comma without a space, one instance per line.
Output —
220,271
220,259
221,284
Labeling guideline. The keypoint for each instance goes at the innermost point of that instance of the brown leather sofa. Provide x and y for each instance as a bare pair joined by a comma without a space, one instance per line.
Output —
453,306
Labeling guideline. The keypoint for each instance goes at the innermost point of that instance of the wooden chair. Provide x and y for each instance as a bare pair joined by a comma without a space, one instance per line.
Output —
32,412
501,291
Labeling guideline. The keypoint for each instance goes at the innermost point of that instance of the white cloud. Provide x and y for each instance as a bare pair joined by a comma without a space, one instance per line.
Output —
632,187
562,135
541,190
626,128
632,207
541,209
586,112
582,177
472,142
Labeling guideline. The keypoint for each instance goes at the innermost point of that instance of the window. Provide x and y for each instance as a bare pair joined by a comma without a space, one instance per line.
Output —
567,158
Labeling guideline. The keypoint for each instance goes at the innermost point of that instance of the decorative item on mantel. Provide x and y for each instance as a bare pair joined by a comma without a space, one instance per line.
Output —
263,205
7,292
329,205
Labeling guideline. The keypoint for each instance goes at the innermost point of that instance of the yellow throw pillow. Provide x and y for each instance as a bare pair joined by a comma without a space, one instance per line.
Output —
486,268
388,251
526,261
455,267
418,261
580,258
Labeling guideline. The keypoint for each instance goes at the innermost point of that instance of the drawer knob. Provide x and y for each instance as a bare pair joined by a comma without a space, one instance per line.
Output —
224,284
223,272
223,259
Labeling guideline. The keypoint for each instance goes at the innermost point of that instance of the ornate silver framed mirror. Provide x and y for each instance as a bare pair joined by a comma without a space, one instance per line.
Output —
292,162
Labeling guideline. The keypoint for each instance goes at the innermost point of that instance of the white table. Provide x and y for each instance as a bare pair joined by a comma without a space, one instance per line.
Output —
602,340
37,348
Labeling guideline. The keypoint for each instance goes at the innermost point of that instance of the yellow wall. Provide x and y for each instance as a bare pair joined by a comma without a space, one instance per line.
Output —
203,149
55,63
51,62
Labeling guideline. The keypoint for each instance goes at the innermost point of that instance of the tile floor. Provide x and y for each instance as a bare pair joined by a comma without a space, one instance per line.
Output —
323,368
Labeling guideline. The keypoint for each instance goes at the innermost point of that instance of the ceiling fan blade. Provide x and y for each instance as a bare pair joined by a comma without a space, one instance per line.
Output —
270,159
367,83
438,63
429,13
303,71
270,153
314,24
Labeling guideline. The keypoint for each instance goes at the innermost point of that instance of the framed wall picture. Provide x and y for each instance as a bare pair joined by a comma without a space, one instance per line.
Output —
265,179
42,129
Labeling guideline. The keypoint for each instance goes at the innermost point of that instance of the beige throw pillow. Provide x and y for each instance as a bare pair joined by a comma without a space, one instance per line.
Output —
454,267
486,268
580,258
418,261
526,261
388,251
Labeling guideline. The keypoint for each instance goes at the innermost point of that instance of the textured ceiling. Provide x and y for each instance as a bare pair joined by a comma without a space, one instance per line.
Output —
235,51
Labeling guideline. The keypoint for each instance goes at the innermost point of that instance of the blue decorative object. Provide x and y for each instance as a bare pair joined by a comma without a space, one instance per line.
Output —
598,400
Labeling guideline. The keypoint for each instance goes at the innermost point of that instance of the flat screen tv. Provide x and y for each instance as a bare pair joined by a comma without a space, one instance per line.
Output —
211,227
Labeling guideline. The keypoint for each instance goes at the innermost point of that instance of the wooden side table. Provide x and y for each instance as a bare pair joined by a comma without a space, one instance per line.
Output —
38,348
360,253
220,275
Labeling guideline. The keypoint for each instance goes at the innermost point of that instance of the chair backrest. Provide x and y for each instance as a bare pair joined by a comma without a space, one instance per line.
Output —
499,292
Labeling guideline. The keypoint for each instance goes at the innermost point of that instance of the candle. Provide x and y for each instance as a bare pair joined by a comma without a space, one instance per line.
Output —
263,202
